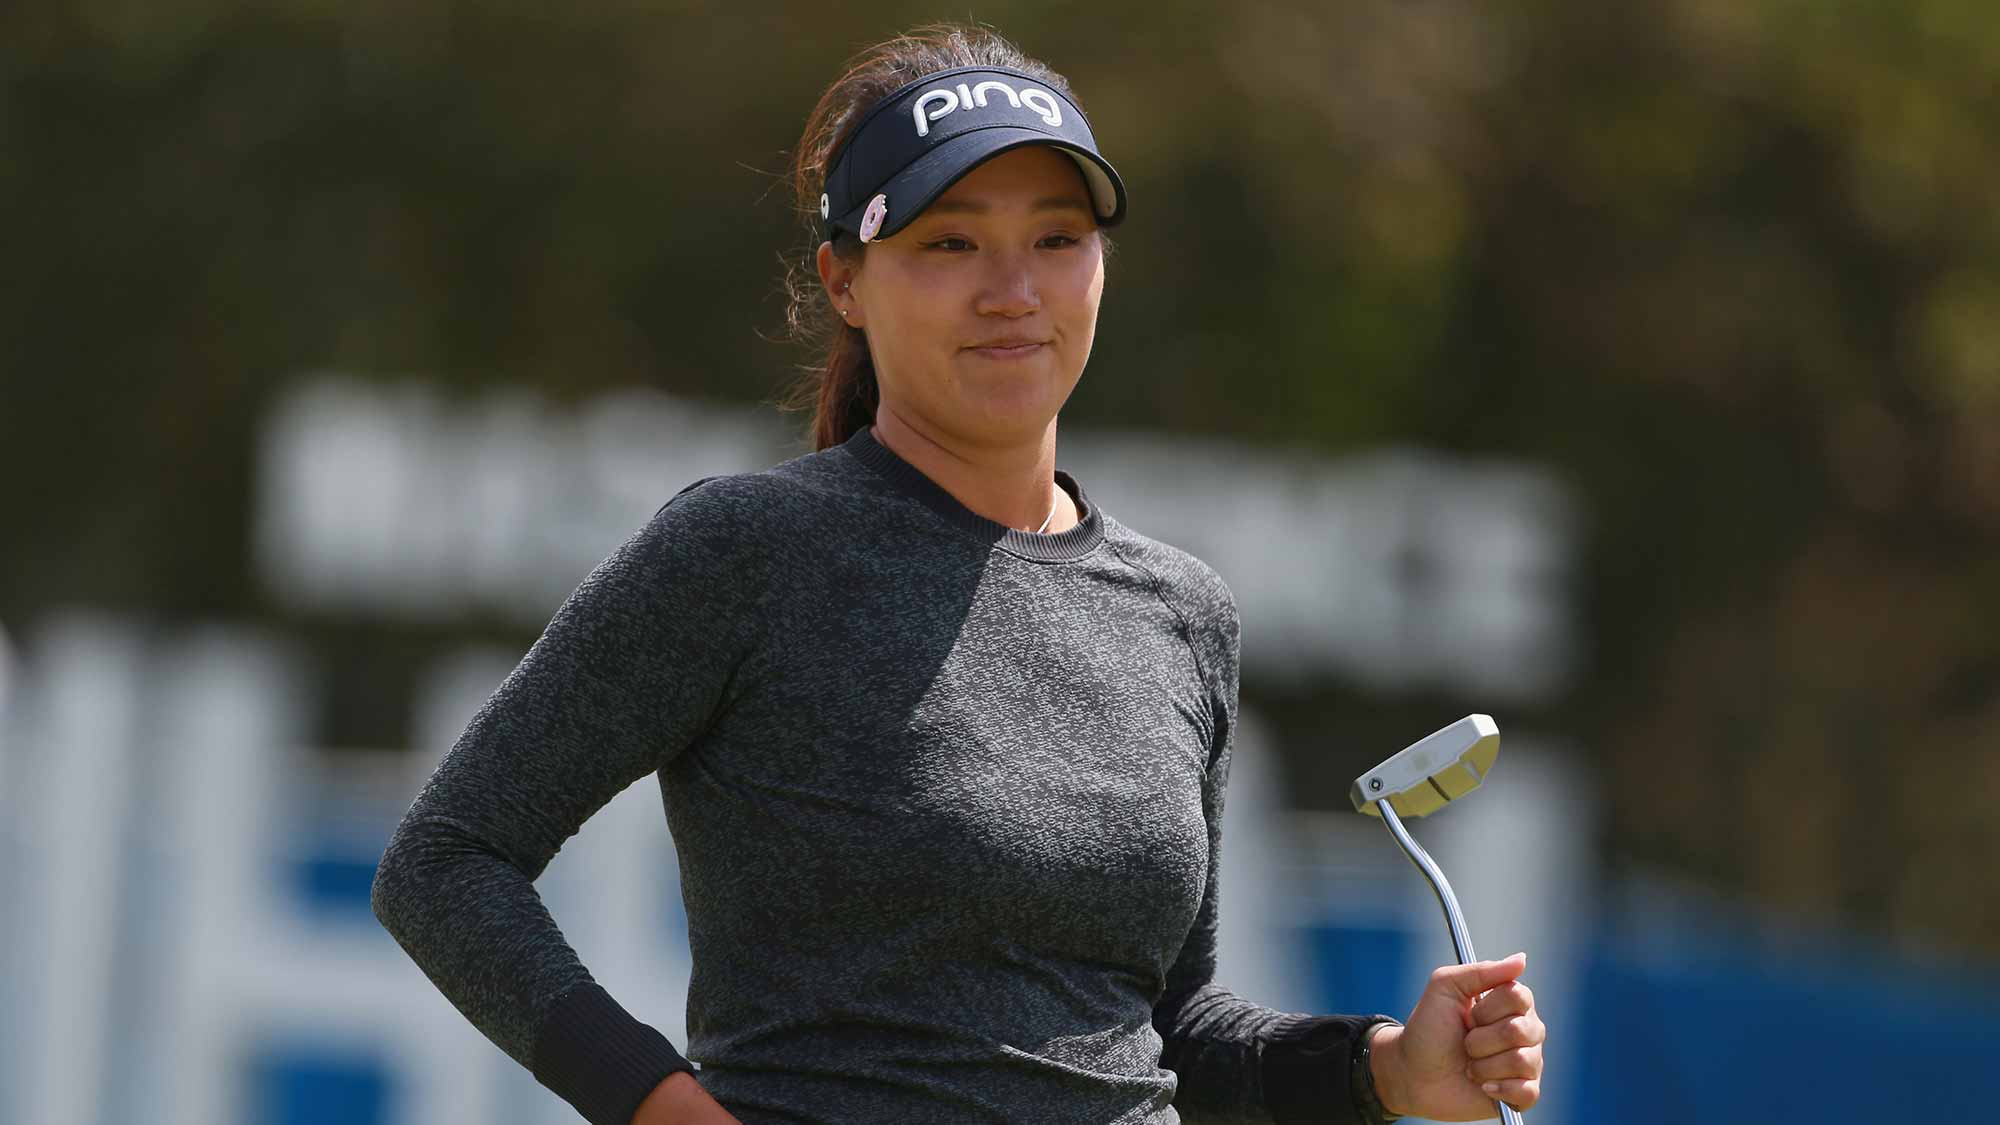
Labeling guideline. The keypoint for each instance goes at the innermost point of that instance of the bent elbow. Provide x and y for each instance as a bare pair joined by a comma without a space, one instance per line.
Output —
387,893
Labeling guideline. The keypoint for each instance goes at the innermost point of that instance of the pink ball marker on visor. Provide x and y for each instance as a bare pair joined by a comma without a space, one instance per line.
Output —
871,219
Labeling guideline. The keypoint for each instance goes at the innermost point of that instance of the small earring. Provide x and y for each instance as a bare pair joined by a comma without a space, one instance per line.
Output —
843,313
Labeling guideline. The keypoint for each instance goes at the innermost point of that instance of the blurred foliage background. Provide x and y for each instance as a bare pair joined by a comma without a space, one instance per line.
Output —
1729,266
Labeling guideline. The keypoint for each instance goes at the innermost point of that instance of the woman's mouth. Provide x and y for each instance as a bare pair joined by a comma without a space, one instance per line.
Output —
1007,351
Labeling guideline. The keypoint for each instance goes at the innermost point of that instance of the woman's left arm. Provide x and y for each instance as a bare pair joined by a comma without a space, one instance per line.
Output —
1237,1060
1240,1061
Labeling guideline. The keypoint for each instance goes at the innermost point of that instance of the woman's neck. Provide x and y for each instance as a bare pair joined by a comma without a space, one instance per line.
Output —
1013,486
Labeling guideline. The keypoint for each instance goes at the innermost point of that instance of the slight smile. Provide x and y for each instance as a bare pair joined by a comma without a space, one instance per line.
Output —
1016,351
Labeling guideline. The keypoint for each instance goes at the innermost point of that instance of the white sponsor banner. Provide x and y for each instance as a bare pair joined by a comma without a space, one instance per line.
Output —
1395,568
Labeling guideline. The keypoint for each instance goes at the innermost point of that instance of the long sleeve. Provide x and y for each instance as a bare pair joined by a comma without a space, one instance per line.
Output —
1238,1061
627,673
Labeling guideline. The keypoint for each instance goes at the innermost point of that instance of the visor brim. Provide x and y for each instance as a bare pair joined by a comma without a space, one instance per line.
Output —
920,183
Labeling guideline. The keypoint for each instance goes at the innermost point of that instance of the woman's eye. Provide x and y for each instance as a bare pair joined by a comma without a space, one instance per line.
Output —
956,245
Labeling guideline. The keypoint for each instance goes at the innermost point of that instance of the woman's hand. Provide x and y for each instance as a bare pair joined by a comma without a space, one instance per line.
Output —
1475,1025
680,1100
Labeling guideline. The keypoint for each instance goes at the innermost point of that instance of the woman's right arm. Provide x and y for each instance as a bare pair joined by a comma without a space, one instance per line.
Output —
628,672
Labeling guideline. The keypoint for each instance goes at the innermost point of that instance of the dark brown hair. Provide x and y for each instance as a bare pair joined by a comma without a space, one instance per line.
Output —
838,385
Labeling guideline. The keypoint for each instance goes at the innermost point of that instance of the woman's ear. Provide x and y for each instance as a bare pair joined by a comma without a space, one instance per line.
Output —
837,277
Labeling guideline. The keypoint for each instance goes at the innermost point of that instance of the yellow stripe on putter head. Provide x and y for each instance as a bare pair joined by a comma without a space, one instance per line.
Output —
1432,772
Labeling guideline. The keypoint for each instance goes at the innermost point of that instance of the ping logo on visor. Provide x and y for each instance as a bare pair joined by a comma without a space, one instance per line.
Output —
920,139
935,103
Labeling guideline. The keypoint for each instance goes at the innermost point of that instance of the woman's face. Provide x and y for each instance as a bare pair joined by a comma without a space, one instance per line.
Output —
980,313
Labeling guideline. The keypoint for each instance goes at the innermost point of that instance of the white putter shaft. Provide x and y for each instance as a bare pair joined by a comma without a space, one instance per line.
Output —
1419,780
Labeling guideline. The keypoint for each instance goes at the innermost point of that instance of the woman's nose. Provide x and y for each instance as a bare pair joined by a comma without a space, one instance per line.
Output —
1010,289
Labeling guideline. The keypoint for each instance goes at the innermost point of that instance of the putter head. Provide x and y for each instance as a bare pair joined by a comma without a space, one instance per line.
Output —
1422,777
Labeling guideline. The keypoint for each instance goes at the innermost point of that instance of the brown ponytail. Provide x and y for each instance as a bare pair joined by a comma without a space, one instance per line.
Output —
839,385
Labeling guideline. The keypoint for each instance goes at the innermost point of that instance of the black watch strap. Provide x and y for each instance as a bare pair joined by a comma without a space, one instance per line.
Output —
1361,1076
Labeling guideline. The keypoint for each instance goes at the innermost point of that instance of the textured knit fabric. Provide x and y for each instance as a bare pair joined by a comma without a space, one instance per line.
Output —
947,799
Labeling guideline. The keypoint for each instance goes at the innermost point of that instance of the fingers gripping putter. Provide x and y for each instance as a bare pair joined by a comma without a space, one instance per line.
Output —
1419,780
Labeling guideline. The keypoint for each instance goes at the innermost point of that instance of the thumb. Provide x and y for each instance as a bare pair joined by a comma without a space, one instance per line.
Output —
1468,981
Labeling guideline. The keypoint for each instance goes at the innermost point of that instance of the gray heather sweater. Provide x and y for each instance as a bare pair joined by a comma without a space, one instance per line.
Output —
947,798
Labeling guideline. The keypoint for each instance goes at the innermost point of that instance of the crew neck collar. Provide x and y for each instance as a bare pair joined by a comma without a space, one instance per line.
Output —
1062,546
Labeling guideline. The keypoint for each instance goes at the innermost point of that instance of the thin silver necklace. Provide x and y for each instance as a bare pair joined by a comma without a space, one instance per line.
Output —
1052,515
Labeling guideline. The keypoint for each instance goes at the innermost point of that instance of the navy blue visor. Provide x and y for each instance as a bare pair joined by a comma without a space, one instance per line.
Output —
919,140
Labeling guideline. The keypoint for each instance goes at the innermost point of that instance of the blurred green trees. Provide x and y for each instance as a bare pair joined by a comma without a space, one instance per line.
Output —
1731,266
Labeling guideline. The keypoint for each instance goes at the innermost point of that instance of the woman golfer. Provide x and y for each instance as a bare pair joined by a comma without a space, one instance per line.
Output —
942,745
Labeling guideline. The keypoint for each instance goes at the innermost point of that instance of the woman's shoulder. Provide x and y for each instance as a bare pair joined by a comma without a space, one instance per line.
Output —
1183,577
1196,592
752,508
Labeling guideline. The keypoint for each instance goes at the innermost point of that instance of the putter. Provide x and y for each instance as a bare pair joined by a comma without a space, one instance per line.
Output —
1419,780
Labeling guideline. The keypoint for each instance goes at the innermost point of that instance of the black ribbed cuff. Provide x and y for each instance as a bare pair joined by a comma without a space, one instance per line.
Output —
1308,1070
600,1059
